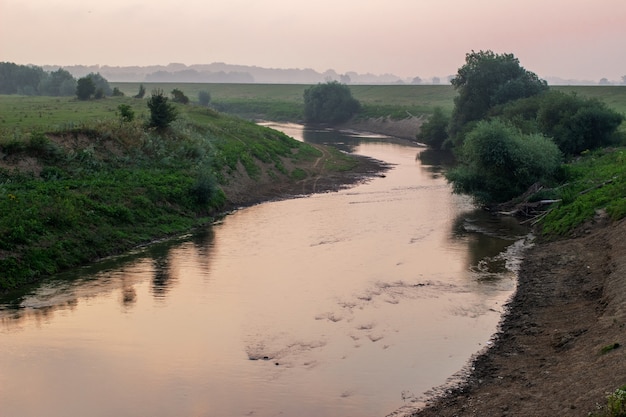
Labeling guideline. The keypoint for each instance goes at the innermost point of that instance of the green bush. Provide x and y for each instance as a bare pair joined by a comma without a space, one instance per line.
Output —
434,131
577,124
162,113
204,98
497,162
574,123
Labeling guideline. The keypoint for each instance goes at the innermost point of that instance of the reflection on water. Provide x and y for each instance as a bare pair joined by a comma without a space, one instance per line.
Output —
352,303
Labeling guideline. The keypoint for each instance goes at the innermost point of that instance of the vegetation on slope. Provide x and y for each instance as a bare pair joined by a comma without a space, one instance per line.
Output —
74,192
515,139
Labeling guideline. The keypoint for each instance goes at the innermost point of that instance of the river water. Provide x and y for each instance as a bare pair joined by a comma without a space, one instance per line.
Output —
351,303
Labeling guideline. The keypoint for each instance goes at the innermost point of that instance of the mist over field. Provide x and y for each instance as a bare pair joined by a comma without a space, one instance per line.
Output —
219,72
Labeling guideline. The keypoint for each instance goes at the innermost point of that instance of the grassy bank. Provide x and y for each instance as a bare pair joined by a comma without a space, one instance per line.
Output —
595,188
77,184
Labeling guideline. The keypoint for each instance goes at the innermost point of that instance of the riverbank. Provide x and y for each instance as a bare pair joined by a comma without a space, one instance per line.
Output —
560,349
242,191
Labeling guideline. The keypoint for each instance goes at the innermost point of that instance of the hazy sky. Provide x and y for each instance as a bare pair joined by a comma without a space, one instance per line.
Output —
571,39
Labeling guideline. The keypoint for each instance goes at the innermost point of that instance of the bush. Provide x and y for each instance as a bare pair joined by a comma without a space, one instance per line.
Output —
141,93
204,98
497,162
179,97
126,113
329,103
434,131
162,113
575,124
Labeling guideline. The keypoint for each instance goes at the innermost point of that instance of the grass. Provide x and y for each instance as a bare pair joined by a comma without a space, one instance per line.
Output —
596,183
103,186
285,101
74,192
615,404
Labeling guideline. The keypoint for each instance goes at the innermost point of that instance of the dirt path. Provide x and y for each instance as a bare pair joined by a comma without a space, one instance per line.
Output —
547,359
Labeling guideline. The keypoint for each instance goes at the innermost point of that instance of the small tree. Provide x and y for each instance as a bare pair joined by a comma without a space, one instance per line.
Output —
101,83
179,97
162,113
126,113
331,102
85,88
142,92
204,98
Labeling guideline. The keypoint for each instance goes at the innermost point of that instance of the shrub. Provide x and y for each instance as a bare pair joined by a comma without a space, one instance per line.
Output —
126,113
141,93
497,162
434,131
179,97
162,113
577,124
204,98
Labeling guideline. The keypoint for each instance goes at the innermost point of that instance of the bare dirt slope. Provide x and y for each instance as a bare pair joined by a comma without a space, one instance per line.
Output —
547,360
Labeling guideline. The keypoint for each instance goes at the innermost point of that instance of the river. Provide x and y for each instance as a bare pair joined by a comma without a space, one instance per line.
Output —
350,303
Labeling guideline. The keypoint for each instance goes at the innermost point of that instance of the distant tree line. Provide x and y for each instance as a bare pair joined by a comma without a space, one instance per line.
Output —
32,80
508,130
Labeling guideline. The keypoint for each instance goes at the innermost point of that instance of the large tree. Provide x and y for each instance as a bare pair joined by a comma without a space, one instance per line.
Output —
486,80
85,88
331,102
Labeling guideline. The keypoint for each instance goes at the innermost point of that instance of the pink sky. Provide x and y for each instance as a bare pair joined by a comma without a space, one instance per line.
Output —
571,39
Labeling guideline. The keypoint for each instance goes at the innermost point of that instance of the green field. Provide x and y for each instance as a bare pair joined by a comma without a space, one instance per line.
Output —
253,101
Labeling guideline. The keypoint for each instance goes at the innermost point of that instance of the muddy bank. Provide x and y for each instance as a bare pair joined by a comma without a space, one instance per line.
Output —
242,191
552,355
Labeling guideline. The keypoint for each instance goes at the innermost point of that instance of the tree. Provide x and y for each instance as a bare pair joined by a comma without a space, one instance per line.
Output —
497,162
577,124
85,88
331,102
101,83
204,98
142,92
179,97
57,83
487,80
126,113
434,131
162,113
